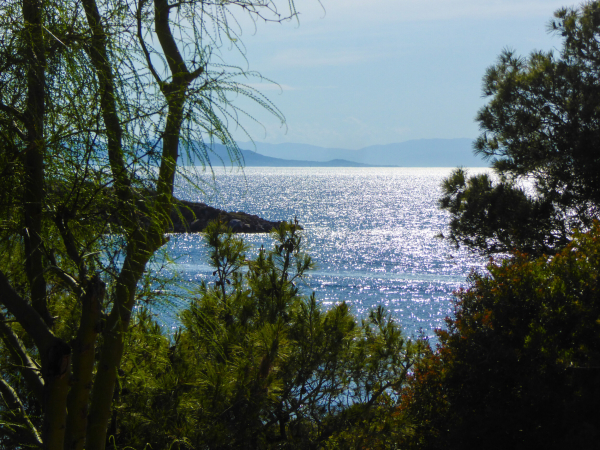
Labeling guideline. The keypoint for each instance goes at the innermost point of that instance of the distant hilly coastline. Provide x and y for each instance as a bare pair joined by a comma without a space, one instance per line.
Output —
255,159
219,157
415,153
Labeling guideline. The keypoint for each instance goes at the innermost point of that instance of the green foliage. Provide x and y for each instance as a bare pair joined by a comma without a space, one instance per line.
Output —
258,365
519,364
539,127
498,217
99,102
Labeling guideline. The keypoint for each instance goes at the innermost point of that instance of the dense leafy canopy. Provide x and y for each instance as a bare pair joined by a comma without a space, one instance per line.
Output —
518,366
541,130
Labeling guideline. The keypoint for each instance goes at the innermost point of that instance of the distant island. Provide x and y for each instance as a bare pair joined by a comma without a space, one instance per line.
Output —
415,153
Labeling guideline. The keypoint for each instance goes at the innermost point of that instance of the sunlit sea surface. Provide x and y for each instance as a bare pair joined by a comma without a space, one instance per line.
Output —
371,231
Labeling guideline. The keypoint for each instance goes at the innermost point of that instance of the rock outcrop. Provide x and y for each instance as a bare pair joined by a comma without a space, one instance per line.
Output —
194,217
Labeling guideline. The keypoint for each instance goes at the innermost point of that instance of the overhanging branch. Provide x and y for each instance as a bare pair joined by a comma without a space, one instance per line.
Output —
27,430
27,317
21,359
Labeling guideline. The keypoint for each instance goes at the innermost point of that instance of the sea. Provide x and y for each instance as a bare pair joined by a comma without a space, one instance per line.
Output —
373,233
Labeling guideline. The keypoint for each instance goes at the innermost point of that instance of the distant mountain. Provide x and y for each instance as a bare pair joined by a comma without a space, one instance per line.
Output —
415,153
219,157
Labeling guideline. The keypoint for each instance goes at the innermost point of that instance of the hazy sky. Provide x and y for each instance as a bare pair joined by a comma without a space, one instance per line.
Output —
355,73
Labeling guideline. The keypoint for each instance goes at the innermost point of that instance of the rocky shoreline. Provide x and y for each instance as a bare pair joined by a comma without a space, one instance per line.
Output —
193,217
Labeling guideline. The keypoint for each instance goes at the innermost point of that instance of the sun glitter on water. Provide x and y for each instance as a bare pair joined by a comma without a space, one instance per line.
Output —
371,231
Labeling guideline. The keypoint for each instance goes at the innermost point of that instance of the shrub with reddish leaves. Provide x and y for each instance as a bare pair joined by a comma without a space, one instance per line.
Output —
519,363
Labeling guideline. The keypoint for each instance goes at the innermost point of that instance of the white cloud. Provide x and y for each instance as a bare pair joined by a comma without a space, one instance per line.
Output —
385,11
271,87
383,71
320,57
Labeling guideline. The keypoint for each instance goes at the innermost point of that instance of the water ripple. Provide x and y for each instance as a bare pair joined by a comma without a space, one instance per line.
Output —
371,232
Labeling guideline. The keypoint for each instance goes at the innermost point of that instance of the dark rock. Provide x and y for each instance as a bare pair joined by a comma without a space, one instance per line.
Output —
236,225
194,217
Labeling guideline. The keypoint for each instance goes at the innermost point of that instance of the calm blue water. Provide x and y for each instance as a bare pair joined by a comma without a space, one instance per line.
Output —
372,233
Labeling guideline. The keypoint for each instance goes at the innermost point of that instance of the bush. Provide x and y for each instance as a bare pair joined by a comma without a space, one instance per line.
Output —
519,365
259,365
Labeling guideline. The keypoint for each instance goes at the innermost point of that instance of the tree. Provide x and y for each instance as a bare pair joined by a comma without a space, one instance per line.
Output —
541,132
518,365
259,365
98,101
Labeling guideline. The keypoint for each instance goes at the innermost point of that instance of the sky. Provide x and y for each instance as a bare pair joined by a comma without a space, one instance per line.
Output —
354,73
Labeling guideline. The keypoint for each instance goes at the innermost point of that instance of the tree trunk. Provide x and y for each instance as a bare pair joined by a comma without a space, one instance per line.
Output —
117,325
83,364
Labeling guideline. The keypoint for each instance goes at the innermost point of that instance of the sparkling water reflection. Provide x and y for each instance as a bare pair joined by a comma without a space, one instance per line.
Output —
371,231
